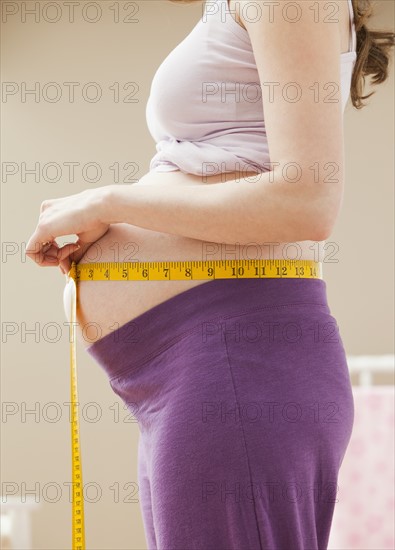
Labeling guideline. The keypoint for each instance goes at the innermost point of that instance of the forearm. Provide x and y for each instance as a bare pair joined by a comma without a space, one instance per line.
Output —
254,209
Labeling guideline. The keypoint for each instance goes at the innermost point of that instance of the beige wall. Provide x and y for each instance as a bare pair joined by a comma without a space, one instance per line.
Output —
36,450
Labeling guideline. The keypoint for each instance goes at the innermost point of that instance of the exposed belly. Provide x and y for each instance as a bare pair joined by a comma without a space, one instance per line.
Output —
105,306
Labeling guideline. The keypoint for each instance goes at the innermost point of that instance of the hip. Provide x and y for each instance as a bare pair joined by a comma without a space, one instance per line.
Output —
273,342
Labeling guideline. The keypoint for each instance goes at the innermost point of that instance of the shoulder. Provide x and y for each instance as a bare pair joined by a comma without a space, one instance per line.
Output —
257,11
306,26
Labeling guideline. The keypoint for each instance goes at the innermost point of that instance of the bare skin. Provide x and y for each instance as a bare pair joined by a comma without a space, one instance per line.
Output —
105,306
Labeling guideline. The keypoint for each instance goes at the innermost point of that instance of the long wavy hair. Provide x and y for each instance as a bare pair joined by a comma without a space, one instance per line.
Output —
373,51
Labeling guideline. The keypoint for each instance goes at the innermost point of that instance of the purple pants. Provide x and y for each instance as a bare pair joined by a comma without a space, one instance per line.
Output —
245,409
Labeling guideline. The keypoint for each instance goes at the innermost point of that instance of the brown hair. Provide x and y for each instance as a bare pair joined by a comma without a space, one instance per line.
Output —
373,48
373,51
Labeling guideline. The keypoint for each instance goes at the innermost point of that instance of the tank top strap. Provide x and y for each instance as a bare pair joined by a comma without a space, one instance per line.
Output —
226,17
353,35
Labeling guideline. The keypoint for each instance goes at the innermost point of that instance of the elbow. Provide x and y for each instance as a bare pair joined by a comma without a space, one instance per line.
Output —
312,229
320,227
319,232
321,219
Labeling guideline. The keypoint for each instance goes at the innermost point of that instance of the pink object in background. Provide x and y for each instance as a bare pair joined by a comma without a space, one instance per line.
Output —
364,513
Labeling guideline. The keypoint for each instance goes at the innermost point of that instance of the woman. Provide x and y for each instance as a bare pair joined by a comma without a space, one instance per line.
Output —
240,387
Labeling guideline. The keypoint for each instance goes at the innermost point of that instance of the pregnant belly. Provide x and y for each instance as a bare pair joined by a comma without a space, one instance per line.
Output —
105,306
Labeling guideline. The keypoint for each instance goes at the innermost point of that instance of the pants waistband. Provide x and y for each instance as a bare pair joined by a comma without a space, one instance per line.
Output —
144,336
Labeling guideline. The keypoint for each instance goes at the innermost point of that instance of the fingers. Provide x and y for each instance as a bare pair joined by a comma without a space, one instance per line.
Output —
65,265
50,255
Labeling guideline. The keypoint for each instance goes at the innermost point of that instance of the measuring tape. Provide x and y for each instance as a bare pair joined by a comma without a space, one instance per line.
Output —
157,271
78,530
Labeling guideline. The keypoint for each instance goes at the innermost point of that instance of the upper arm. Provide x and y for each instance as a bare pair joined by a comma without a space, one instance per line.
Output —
299,71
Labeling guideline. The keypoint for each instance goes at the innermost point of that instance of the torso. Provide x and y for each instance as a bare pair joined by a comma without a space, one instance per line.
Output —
105,306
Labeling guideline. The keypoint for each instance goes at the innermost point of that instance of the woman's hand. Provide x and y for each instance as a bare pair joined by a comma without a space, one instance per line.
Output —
81,215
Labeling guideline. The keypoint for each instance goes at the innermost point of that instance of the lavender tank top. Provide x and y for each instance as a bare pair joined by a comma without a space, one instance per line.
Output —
205,109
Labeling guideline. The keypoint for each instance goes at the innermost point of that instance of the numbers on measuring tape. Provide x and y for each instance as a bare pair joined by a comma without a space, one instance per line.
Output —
240,271
192,270
283,271
263,272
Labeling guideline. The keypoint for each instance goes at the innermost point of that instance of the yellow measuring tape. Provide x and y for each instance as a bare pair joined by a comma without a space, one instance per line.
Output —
78,529
157,271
